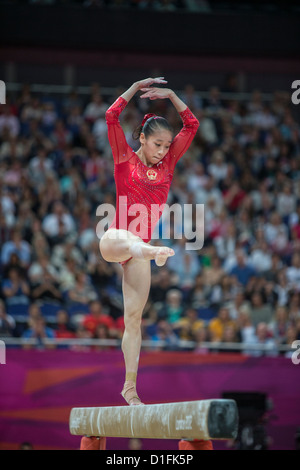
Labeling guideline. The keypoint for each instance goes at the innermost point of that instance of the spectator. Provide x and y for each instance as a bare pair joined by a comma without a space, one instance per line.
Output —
9,123
95,109
217,325
16,291
165,337
234,197
7,322
42,267
263,342
58,224
260,257
280,324
186,265
49,117
213,273
291,335
40,166
161,283
102,274
38,331
44,281
246,329
81,294
63,328
207,127
226,243
188,325
199,295
286,201
229,339
201,336
238,303
61,136
18,246
218,167
96,317
67,275
172,308
223,292
191,98
213,104
293,273
294,305
198,177
260,312
276,234
209,190
242,270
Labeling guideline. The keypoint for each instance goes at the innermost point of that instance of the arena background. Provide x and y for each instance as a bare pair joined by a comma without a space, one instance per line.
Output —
240,60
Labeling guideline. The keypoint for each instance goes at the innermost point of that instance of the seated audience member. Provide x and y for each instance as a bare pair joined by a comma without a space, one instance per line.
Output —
217,325
58,224
7,322
81,295
172,308
39,331
165,337
188,325
202,336
246,329
293,273
259,310
16,291
263,342
242,270
229,340
44,281
18,246
96,317
63,327
213,274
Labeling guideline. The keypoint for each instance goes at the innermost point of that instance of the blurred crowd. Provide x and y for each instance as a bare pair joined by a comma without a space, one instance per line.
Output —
56,169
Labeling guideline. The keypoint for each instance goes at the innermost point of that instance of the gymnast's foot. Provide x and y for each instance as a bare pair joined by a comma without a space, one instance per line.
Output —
129,394
162,254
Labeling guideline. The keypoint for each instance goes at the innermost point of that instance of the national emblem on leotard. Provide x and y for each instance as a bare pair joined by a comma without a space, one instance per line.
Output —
152,174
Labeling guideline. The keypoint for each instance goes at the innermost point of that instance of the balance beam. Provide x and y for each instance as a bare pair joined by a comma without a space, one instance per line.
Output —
205,419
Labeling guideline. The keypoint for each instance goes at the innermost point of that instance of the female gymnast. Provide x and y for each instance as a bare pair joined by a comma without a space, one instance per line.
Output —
142,177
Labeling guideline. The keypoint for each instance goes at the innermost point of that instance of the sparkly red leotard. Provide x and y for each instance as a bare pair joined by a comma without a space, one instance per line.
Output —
142,191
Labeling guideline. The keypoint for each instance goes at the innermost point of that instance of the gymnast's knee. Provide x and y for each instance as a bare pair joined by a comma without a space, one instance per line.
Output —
133,320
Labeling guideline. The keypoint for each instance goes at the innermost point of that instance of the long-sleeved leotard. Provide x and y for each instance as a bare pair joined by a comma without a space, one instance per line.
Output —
142,191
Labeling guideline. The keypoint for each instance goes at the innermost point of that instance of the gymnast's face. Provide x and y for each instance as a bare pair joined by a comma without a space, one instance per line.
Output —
156,145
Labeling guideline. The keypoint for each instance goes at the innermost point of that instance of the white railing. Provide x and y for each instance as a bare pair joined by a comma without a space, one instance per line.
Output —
149,344
110,91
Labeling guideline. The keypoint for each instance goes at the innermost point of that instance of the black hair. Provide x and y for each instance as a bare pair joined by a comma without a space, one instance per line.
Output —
153,124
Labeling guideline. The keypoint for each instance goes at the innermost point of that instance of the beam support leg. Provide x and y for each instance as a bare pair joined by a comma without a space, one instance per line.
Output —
196,444
93,443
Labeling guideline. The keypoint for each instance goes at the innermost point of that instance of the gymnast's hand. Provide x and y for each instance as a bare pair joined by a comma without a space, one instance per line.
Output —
149,81
154,93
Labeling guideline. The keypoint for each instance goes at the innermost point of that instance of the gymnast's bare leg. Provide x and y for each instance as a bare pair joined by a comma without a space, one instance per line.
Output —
118,246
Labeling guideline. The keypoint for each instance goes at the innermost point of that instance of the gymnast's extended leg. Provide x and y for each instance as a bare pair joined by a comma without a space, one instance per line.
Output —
118,245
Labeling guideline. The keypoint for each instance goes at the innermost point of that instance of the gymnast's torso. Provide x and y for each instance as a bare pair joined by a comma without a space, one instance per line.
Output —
142,191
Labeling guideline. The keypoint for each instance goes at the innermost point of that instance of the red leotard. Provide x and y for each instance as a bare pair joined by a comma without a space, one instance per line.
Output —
138,183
